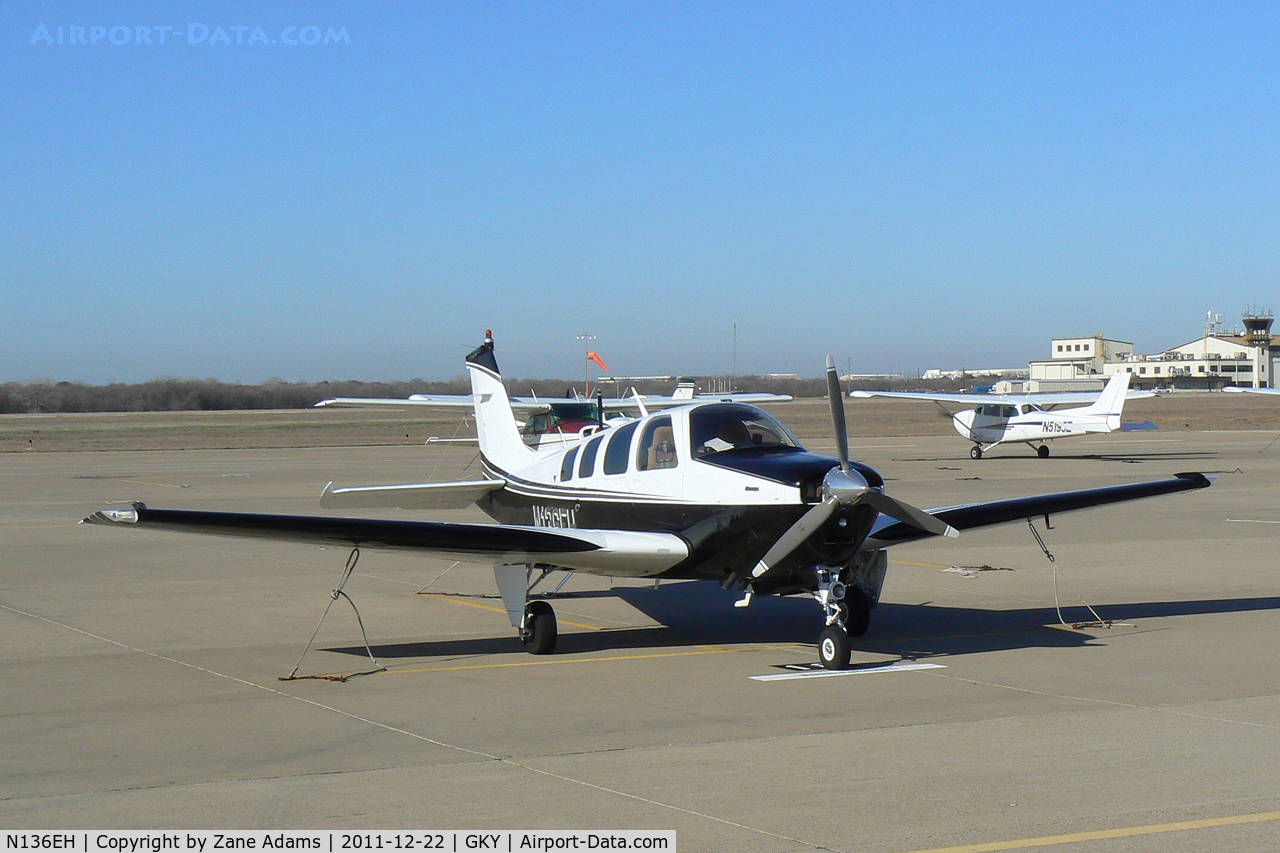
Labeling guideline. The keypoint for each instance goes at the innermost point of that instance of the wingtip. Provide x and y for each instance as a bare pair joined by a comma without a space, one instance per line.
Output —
113,517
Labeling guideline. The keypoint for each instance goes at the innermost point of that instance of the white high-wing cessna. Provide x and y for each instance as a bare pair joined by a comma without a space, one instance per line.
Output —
1030,419
718,491
558,420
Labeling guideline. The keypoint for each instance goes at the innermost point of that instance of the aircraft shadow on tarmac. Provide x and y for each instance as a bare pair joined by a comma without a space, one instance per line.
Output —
700,613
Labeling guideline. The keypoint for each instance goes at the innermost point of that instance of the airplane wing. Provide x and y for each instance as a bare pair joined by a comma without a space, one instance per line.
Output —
529,405
1046,400
657,401
409,496
616,552
1235,389
436,401
888,531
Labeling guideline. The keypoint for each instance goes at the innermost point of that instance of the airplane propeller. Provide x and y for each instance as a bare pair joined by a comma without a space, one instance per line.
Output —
843,486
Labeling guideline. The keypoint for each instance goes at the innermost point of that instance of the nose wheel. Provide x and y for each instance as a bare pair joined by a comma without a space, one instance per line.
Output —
975,452
833,647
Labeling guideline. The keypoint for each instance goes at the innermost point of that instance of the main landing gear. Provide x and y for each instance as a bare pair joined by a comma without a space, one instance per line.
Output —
848,612
1043,451
535,620
538,631
975,452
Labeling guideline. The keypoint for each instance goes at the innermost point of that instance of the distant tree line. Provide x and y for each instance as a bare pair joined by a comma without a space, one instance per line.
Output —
172,395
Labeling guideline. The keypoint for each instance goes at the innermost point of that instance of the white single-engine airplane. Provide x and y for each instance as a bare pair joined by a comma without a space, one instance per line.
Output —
1000,419
718,491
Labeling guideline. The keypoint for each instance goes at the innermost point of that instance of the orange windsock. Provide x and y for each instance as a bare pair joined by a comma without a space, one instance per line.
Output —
591,356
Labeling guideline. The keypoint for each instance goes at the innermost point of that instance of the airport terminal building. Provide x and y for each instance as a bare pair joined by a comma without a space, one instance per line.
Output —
1219,358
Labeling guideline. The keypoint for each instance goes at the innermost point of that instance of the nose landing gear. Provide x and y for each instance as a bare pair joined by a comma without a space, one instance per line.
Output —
848,612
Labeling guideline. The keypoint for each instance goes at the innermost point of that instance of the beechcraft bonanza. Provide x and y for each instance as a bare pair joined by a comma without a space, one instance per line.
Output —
559,420
709,490
1030,419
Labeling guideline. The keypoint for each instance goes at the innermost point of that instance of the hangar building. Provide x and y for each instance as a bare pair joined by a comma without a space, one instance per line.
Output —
1220,357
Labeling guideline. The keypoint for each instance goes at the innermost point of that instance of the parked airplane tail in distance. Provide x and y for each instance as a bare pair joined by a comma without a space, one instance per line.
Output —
1111,401
496,427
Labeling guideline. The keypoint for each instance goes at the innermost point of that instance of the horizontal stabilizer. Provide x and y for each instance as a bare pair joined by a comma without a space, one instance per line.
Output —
409,496
1137,426
625,553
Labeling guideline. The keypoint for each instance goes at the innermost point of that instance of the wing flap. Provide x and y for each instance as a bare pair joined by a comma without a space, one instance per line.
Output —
616,552
889,532
409,496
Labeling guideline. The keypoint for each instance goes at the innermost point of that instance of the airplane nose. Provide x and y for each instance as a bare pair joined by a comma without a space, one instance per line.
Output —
844,485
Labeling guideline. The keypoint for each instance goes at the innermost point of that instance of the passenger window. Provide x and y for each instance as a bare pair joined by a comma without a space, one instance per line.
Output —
1010,411
657,447
1026,408
615,457
588,466
566,467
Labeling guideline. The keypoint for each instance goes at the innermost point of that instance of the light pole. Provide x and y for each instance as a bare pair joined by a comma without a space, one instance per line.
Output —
586,363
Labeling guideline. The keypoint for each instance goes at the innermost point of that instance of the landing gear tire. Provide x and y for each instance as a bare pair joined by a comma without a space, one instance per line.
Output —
1043,451
858,612
539,635
833,647
975,452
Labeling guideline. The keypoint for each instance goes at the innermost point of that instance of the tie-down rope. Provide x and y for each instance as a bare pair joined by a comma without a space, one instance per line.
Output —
333,596
1098,621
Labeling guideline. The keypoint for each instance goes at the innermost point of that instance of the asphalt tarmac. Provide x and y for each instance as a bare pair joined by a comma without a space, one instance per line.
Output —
142,669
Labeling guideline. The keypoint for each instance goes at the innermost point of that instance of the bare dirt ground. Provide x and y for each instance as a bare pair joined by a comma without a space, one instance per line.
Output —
808,418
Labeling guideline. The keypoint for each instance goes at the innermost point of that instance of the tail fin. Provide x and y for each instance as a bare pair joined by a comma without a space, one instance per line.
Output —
1111,401
500,441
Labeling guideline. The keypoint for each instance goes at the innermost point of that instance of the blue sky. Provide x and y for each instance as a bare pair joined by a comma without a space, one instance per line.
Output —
902,185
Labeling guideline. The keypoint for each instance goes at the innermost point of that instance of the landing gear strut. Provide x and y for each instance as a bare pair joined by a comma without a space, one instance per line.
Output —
848,612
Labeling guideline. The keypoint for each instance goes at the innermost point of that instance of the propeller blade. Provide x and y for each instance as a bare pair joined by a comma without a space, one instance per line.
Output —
837,414
796,535
909,514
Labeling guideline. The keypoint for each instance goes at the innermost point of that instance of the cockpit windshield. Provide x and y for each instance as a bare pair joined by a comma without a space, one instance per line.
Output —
732,426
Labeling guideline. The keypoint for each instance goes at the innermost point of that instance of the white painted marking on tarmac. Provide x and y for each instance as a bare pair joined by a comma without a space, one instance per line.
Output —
828,673
1252,521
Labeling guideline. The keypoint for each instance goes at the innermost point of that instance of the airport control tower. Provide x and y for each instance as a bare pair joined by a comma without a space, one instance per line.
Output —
1257,331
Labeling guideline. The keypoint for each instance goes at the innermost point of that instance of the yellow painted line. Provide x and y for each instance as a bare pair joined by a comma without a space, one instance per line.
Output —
1106,834
702,650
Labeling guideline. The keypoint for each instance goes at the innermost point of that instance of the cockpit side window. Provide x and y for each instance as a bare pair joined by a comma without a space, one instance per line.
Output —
616,455
657,447
1027,407
734,426
566,467
1009,411
588,466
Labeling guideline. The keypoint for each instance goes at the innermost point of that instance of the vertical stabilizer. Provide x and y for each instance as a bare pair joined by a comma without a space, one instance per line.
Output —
1111,401
496,427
